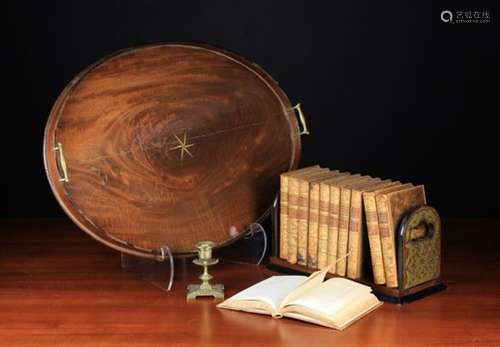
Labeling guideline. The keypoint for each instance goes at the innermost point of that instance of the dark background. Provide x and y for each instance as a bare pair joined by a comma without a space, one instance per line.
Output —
388,88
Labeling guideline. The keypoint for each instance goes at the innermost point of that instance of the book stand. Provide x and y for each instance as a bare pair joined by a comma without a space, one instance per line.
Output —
398,295
249,250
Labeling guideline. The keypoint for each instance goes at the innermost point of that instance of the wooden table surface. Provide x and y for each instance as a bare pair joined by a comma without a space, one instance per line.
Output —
58,287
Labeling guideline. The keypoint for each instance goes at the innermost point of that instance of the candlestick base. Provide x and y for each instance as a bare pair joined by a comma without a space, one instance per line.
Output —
214,290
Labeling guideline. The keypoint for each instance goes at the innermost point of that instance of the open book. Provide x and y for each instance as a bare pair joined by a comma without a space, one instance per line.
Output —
335,303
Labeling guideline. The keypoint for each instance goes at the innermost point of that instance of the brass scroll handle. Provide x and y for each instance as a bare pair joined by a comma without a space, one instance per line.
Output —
302,119
62,163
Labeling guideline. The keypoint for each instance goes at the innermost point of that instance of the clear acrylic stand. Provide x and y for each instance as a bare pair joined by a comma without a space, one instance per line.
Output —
158,272
250,250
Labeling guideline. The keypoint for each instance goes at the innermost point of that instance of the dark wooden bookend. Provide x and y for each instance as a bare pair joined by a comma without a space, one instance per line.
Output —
417,280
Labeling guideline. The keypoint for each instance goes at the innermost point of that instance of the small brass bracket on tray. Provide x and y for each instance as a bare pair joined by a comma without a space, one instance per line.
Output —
302,118
62,163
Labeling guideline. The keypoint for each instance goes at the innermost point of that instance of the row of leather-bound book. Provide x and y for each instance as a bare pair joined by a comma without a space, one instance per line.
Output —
344,221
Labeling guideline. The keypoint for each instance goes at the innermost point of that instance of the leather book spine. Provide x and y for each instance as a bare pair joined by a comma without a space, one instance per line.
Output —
323,232
374,237
284,179
333,227
354,260
283,217
313,225
303,222
293,222
387,240
342,247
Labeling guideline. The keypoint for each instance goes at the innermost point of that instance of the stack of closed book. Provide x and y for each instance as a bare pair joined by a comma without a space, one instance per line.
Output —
344,221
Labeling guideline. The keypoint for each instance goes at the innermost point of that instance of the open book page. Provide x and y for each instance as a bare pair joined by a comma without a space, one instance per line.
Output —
351,313
314,280
264,297
332,295
335,302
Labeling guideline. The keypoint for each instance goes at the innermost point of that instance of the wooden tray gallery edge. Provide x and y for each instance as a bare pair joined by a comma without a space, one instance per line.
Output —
169,144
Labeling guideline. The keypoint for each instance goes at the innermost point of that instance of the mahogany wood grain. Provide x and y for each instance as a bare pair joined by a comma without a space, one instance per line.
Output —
58,287
170,144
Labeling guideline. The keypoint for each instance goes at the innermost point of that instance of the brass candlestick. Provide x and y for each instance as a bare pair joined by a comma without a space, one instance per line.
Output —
205,288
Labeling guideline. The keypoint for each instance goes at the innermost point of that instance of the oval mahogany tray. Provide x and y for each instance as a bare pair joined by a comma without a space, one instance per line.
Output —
169,144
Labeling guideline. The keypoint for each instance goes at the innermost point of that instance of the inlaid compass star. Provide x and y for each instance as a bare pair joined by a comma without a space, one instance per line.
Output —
183,146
